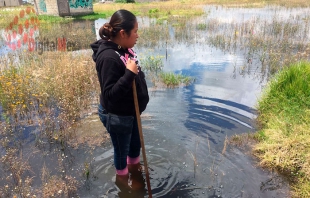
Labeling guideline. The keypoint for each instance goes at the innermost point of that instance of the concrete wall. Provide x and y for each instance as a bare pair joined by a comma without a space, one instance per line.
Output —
75,7
81,7
4,3
51,7
48,7
81,11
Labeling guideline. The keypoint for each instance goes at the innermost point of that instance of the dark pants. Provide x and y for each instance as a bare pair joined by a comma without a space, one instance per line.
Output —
124,135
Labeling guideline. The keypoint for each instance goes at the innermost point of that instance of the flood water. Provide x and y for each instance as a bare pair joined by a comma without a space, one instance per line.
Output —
185,128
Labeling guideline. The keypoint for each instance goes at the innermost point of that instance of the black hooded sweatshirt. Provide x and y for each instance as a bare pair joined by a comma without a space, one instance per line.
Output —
116,80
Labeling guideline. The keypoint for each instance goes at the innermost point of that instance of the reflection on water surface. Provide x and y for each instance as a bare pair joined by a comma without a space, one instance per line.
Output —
186,129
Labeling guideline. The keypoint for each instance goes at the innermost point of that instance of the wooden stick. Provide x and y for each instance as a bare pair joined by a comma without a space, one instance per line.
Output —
141,138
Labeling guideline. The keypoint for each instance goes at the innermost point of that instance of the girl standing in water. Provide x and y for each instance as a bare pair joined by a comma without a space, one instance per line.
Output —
117,68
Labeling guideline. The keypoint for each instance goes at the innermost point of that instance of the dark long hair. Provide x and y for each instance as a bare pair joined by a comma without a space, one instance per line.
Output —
121,19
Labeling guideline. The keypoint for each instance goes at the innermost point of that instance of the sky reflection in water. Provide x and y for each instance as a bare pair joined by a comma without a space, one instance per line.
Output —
185,128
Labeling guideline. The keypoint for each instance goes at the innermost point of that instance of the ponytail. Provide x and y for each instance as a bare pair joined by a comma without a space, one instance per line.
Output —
106,31
120,20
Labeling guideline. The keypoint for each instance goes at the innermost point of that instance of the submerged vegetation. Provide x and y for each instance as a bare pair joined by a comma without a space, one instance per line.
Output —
153,67
273,44
50,92
284,116
172,80
268,44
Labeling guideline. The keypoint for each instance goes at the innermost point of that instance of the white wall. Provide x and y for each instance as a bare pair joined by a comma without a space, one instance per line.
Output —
9,3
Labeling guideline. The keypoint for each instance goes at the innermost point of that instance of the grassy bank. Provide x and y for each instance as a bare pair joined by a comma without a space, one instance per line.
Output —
284,117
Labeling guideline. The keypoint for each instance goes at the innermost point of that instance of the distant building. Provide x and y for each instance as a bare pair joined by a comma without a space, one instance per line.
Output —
5,3
105,1
28,2
65,7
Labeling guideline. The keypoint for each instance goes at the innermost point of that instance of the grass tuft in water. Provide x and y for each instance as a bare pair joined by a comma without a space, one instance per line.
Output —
172,80
152,64
201,26
153,67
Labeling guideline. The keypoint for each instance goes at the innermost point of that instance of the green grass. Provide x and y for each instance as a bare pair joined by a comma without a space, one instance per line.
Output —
94,16
284,117
161,20
57,19
53,19
201,26
173,80
288,94
152,64
10,13
153,67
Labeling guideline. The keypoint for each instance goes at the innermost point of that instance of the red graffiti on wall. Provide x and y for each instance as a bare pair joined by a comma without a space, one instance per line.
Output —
22,30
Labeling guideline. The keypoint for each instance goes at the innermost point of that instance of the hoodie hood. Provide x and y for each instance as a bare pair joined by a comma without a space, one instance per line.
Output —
100,46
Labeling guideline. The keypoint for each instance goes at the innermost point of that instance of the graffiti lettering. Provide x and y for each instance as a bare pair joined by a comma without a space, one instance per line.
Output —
81,3
42,5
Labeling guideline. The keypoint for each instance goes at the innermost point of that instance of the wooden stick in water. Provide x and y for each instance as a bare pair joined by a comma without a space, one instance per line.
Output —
141,138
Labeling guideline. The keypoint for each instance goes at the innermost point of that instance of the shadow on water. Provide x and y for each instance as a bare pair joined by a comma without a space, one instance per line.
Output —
209,116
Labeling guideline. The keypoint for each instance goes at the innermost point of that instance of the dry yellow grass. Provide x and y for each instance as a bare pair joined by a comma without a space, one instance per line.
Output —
288,154
90,132
193,7
163,8
31,90
59,187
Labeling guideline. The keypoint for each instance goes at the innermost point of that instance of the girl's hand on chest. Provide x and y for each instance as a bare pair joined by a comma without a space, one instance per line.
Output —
132,66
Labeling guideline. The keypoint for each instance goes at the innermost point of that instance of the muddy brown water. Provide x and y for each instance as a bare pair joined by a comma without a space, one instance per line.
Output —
184,128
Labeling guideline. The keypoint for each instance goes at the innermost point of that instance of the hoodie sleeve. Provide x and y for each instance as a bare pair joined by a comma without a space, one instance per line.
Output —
116,83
